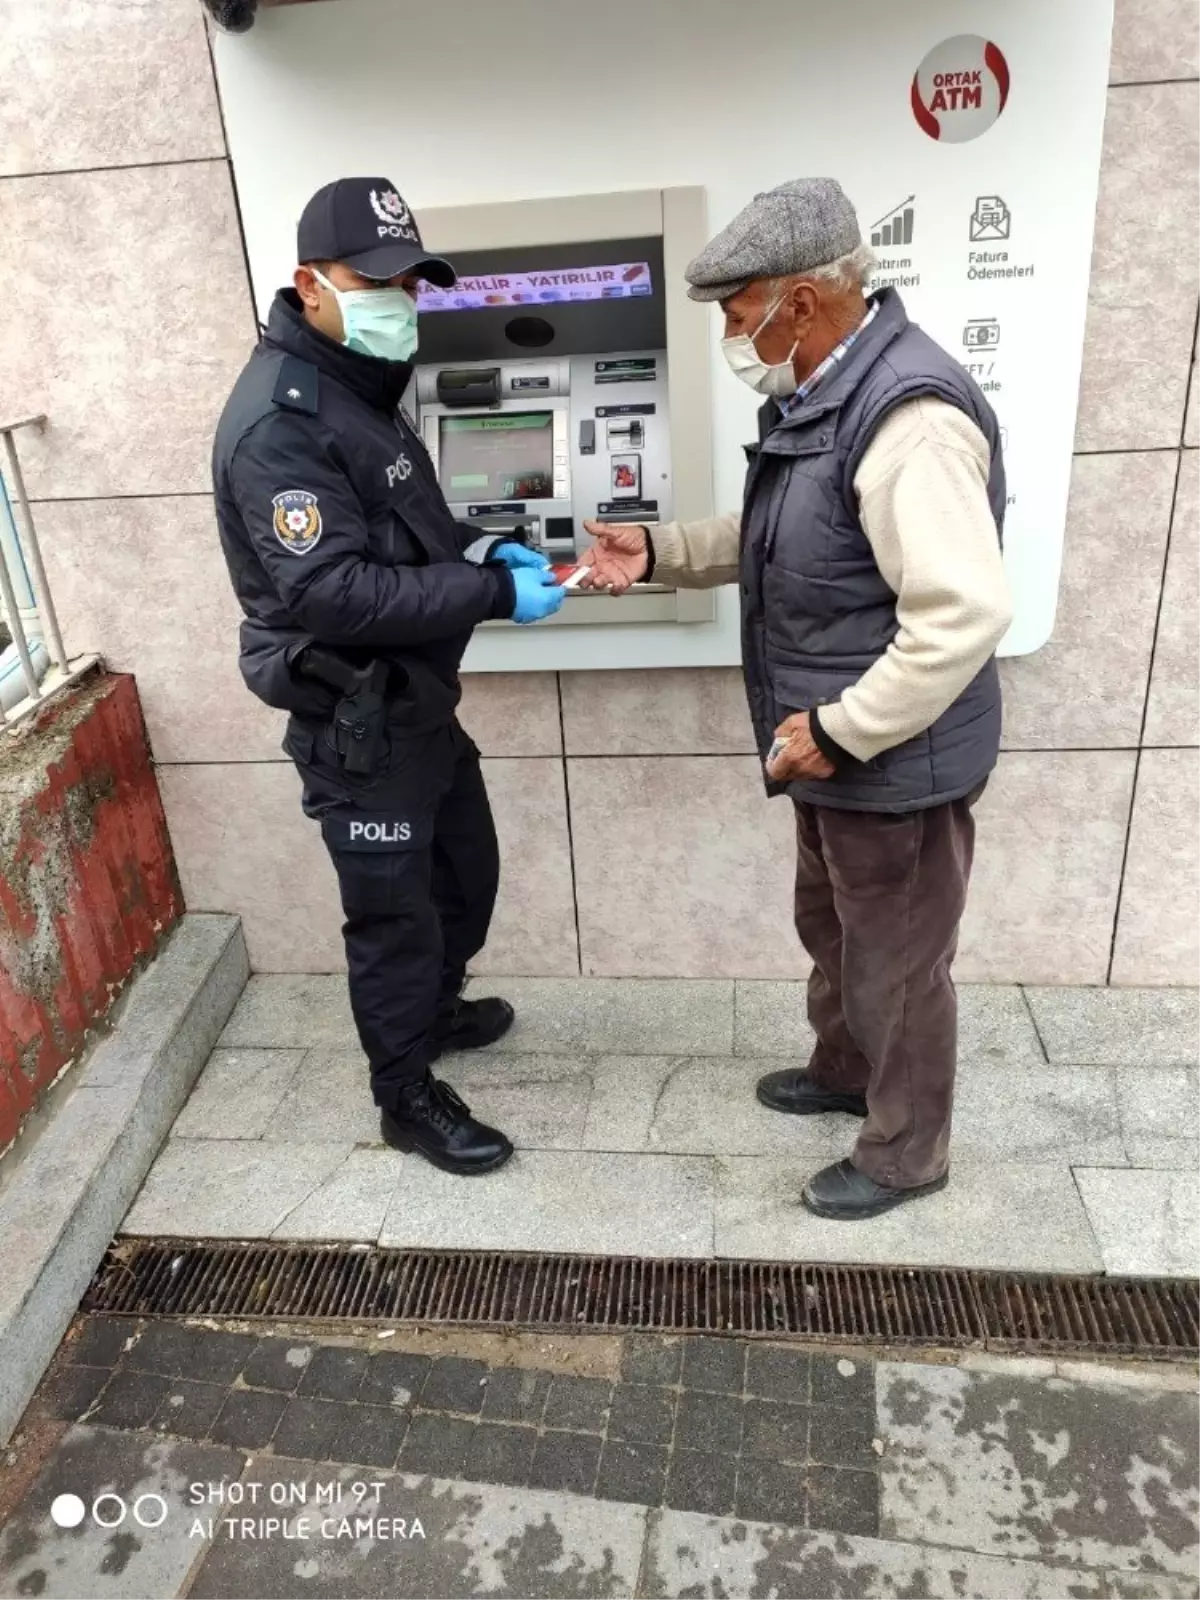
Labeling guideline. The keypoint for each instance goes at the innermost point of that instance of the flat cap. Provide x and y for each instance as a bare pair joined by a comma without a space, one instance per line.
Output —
803,224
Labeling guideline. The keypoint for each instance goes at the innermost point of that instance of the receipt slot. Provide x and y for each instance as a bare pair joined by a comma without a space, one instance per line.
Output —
564,379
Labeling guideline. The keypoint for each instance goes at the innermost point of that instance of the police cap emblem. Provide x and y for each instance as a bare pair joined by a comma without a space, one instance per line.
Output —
297,520
389,207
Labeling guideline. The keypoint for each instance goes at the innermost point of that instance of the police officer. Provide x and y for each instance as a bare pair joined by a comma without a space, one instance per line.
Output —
360,592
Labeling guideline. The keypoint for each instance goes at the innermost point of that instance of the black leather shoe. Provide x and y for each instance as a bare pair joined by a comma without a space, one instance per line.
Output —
473,1024
796,1092
847,1195
431,1119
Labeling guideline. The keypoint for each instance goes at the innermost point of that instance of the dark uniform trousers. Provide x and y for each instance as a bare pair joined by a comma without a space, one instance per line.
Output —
878,902
415,852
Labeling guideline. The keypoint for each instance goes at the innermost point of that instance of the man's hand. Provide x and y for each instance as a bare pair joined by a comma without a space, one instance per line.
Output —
800,757
620,557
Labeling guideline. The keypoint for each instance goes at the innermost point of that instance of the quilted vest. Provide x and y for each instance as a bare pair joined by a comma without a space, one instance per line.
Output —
816,611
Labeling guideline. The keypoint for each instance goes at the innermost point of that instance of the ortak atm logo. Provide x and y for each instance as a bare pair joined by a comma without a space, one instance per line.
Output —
960,88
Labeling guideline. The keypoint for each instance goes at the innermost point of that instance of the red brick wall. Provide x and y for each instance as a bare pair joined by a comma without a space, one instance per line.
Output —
87,881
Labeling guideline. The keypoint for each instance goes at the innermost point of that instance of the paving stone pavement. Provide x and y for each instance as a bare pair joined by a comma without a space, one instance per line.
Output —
215,1461
1075,1121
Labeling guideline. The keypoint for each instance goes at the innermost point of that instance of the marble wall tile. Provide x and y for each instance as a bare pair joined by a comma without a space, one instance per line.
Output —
242,844
127,321
512,713
142,582
669,711
1173,714
1191,424
683,869
1158,929
1051,835
1086,688
1142,301
1153,40
101,83
533,931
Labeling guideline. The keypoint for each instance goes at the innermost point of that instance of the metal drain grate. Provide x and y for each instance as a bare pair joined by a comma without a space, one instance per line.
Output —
488,1289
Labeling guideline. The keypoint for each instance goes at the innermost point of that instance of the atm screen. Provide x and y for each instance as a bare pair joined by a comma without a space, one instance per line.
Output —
501,456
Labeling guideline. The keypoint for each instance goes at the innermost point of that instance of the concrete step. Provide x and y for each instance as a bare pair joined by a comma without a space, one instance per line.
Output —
66,1199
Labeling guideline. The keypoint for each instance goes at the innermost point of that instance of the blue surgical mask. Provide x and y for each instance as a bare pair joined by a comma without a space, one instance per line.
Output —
376,322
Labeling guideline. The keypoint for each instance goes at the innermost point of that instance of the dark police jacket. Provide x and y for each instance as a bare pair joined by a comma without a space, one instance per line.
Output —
336,532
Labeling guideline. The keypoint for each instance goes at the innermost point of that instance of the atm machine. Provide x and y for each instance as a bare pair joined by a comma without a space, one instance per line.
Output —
542,397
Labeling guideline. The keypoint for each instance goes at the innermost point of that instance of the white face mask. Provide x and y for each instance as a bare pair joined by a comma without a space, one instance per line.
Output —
779,380
376,322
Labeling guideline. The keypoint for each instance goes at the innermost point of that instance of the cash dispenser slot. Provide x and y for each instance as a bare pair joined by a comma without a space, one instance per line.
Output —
468,386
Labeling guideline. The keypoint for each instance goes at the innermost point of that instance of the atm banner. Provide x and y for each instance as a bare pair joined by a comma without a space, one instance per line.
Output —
623,281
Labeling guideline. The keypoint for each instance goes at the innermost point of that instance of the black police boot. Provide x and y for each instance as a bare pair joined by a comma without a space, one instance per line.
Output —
471,1024
431,1119
796,1092
845,1194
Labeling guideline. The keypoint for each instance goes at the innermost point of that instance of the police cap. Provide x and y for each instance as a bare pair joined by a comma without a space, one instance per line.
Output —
365,223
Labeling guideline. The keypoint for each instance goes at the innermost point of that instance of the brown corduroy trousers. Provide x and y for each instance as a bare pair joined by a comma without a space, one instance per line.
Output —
878,903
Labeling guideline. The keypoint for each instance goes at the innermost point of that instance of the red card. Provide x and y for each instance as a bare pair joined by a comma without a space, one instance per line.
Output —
568,573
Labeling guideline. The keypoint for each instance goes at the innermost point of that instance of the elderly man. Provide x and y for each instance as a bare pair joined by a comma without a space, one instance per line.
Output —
873,597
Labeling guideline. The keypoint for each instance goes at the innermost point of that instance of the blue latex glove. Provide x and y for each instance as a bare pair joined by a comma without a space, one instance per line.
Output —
513,555
538,595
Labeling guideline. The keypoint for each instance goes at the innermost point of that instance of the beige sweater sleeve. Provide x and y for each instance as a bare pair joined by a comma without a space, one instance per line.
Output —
922,493
697,555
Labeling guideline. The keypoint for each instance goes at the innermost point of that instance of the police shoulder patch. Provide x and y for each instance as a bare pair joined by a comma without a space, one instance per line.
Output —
297,520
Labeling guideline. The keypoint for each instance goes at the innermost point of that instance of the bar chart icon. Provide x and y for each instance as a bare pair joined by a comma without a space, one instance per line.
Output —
895,226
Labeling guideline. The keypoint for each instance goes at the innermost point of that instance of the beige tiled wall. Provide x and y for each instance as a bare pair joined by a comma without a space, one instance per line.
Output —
682,870
1142,306
1051,836
91,84
243,844
1087,687
134,319
635,834
1160,906
674,712
1154,41
1173,714
142,580
1142,338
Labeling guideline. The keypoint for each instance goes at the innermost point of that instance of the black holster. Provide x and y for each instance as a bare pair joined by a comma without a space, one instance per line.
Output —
360,716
